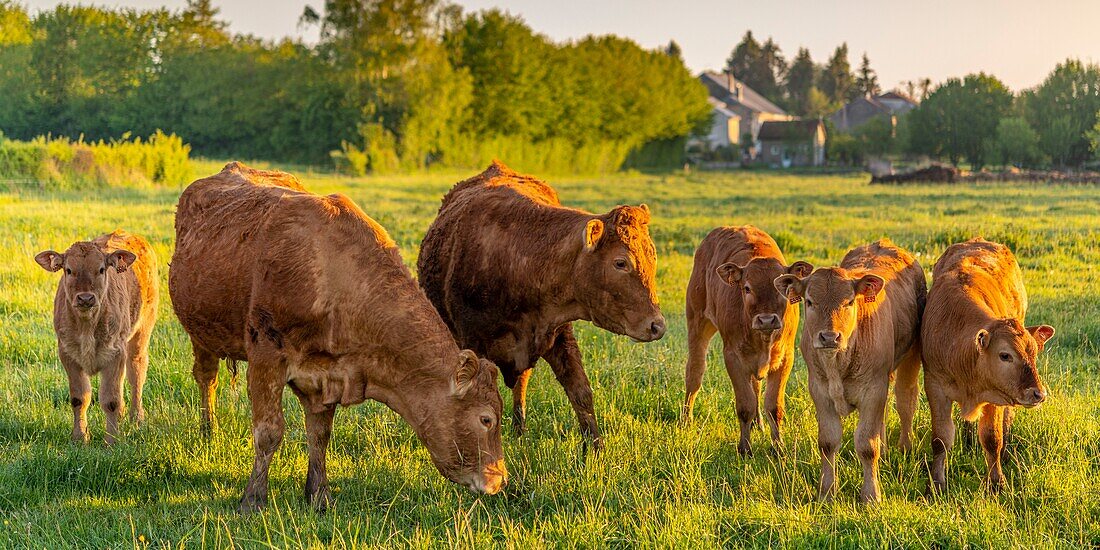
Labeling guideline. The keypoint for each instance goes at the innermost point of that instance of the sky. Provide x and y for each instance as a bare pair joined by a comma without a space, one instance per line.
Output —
1019,41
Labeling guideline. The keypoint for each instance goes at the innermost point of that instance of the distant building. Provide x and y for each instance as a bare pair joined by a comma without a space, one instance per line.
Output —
738,111
862,110
784,144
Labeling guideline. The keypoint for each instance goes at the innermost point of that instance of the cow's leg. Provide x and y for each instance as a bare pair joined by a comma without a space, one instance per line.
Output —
266,378
991,434
110,396
136,370
564,358
80,396
318,433
829,433
943,435
868,441
906,387
746,393
700,332
775,397
519,402
205,371
1009,415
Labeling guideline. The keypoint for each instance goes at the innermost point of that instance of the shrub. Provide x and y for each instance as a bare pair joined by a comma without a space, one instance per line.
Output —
62,163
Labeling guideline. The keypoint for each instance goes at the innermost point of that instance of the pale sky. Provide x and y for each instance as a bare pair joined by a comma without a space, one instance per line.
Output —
1019,41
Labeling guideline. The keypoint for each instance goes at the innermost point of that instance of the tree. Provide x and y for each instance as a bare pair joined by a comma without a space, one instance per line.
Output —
836,79
799,82
1063,108
866,83
758,66
818,105
1094,137
1017,143
673,50
959,120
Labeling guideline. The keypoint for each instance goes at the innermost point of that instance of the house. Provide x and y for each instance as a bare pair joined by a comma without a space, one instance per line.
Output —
738,112
862,110
791,143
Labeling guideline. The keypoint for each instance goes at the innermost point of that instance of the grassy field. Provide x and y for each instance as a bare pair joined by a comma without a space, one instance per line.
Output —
656,484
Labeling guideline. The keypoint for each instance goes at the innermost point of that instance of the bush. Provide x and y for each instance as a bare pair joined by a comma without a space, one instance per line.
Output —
61,163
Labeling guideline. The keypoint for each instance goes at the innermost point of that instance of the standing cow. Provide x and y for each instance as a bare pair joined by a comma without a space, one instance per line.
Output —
862,324
314,295
977,351
103,314
509,269
732,292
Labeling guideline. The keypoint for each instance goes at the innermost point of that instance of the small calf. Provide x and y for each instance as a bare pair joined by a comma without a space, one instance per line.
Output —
103,314
862,326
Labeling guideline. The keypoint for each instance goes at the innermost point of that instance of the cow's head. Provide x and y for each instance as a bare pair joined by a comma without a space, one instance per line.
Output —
616,274
86,277
832,297
764,306
1007,353
462,434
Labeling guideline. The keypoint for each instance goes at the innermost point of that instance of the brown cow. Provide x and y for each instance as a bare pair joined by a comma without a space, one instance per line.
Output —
103,314
862,324
314,295
732,292
977,351
509,269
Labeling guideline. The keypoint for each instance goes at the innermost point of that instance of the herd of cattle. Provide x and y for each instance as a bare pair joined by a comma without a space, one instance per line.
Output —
313,294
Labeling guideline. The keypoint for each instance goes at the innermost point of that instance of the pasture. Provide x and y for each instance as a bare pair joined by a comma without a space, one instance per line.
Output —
657,483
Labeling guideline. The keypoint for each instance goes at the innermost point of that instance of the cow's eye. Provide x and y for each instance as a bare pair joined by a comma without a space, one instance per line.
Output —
621,264
487,421
1007,358
101,271
809,303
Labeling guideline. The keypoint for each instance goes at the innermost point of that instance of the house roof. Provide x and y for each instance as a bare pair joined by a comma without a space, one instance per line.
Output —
721,107
896,95
722,87
788,129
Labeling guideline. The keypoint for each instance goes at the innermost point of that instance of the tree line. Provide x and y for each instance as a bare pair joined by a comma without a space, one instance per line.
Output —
390,85
975,119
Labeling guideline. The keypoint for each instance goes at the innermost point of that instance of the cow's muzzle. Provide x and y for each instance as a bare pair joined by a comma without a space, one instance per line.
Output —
85,300
827,340
1032,397
767,322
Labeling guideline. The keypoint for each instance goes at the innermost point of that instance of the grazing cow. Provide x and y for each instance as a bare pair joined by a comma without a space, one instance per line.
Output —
862,324
314,295
103,314
732,292
977,351
509,269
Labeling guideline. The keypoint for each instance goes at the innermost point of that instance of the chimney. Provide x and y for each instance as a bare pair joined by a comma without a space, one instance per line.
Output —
740,93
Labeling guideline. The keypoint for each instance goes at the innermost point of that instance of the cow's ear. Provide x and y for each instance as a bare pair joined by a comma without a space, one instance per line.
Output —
869,286
1041,333
730,273
801,269
981,340
50,260
790,286
121,260
593,230
466,373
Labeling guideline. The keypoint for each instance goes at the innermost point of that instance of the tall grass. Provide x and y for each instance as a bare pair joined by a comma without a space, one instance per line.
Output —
61,163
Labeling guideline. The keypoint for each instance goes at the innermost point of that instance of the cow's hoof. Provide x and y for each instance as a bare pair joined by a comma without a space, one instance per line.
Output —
745,450
251,504
321,500
519,426
137,417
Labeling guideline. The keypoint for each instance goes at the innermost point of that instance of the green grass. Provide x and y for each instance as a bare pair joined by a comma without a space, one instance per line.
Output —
656,483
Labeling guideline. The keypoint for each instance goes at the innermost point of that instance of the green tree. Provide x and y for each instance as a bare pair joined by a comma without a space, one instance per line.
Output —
1063,108
1017,143
836,79
866,83
800,79
1094,138
758,66
959,120
673,50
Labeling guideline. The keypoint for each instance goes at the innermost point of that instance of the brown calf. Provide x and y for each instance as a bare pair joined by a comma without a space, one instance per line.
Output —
862,324
103,314
314,295
509,269
977,351
732,292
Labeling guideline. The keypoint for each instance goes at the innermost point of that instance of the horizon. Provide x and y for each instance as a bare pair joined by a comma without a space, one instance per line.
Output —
926,45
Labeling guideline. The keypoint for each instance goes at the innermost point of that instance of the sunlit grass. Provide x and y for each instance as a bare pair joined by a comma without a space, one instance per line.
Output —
657,483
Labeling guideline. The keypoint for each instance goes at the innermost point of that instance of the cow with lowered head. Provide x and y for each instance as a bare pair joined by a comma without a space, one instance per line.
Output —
314,295
103,314
732,292
509,269
977,351
861,329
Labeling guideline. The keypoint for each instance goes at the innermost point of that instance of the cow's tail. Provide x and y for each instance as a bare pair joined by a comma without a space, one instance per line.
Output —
234,372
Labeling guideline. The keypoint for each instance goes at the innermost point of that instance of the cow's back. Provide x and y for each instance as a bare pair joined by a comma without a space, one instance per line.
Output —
906,290
983,273
210,276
